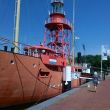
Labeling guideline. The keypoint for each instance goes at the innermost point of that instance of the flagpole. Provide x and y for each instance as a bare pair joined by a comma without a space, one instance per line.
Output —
84,54
102,49
103,57
101,67
73,35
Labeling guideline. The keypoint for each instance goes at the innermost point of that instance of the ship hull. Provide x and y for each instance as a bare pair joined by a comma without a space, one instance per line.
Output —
21,80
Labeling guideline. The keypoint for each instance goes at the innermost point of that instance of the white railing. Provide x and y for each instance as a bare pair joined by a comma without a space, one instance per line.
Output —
60,12
56,1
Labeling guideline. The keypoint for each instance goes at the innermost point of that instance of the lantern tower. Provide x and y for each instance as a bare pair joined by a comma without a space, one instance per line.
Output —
57,29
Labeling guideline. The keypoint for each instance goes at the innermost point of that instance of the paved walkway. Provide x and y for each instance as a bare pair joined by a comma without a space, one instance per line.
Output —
86,100
82,98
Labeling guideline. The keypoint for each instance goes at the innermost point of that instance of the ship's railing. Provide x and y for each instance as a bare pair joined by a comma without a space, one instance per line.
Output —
58,20
8,45
57,1
21,50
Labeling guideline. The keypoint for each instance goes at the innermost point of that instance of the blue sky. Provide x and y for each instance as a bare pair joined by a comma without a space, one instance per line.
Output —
92,22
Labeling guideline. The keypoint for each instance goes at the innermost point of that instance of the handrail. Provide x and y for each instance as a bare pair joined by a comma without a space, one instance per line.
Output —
59,12
57,20
56,1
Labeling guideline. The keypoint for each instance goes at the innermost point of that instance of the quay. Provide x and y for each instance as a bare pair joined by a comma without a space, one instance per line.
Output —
81,98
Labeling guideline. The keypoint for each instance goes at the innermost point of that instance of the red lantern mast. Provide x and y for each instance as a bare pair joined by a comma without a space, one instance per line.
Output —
58,29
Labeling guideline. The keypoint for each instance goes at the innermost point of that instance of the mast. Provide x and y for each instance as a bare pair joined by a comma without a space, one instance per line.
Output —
73,35
17,26
73,41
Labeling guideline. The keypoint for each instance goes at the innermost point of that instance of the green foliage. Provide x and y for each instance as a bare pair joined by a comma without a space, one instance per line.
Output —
95,61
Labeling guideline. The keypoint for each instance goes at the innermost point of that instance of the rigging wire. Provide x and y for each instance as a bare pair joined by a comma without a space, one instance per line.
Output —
4,15
46,84
7,41
6,19
32,73
19,75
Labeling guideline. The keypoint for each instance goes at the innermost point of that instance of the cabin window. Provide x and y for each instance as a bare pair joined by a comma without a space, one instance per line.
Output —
29,52
76,69
32,52
79,70
39,51
35,51
26,52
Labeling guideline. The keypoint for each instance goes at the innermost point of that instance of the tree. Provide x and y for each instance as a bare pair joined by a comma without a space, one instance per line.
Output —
95,61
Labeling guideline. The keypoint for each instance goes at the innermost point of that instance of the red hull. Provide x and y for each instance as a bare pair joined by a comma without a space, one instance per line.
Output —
21,82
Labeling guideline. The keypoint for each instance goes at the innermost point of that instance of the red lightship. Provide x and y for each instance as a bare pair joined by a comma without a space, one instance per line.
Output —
36,73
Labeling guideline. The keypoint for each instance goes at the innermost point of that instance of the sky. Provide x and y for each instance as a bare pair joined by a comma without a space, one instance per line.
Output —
91,23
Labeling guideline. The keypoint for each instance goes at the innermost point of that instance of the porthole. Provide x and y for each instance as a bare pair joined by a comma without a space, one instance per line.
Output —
12,62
